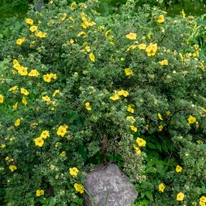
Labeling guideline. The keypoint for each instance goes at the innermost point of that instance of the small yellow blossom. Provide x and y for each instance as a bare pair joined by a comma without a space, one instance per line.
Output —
92,57
142,46
22,71
114,97
55,93
46,98
133,128
131,119
73,171
130,108
79,188
40,34
64,17
13,88
39,193
128,72
73,6
17,122
24,91
33,73
203,199
178,168
12,168
168,113
62,130
2,146
1,98
191,119
160,116
137,149
161,19
160,128
141,142
164,62
39,142
87,105
123,93
47,78
45,134
131,36
63,154
151,49
33,28
161,187
29,21
20,41
183,13
24,101
180,196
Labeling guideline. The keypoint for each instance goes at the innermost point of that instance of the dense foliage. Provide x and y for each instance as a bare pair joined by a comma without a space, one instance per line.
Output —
78,88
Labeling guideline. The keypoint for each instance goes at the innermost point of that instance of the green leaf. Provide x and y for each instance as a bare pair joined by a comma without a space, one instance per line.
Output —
149,195
83,152
151,145
159,146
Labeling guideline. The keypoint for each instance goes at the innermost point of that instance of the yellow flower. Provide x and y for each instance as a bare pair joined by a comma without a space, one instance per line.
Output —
161,19
39,142
12,167
40,34
13,88
160,116
133,128
64,17
180,196
1,98
107,33
79,188
17,122
131,36
114,97
164,62
128,72
45,134
20,41
22,71
33,73
2,146
168,113
29,21
87,48
73,6
123,93
141,142
24,101
183,13
39,193
24,91
62,130
87,104
33,28
63,154
151,49
161,187
178,168
55,92
131,118
92,57
47,78
130,108
142,46
191,119
203,199
73,171
160,128
137,149
46,98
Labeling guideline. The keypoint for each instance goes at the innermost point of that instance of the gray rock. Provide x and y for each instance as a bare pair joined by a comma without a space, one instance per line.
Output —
108,186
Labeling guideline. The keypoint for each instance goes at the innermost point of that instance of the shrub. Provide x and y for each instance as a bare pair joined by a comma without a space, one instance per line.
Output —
79,88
